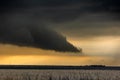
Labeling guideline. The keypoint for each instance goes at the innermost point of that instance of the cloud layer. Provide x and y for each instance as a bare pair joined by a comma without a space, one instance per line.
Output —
29,33
25,22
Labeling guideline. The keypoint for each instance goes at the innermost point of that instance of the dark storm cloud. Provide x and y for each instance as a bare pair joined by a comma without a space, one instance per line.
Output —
23,21
24,30
98,4
91,25
61,10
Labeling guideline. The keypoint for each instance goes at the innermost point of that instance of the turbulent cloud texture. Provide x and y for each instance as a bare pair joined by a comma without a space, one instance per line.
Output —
25,22
33,34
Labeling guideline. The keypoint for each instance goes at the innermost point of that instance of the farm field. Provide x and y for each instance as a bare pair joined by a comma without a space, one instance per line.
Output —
31,74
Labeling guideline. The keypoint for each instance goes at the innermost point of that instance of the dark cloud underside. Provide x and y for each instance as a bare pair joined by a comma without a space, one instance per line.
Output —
33,34
26,22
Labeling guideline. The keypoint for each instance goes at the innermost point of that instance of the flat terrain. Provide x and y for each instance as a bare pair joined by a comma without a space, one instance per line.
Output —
28,74
46,67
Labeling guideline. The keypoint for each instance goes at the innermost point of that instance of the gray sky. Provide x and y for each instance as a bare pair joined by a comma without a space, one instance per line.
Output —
38,19
92,25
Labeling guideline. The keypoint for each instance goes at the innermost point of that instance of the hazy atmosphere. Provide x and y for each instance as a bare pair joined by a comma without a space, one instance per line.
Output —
60,32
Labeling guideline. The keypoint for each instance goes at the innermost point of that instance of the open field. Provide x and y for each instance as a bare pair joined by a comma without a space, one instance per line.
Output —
31,74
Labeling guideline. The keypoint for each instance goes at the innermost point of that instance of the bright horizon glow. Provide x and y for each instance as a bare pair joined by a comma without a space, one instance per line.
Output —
56,60
96,51
105,45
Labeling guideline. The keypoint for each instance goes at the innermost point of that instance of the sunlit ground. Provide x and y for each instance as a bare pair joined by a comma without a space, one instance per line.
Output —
96,51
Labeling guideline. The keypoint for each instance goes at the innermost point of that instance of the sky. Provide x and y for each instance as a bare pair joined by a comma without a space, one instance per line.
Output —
62,32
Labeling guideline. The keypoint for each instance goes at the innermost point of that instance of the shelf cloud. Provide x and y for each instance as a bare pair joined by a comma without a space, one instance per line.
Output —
31,33
26,22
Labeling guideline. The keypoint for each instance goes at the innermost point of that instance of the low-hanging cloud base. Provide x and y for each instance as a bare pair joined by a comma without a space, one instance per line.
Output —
36,36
